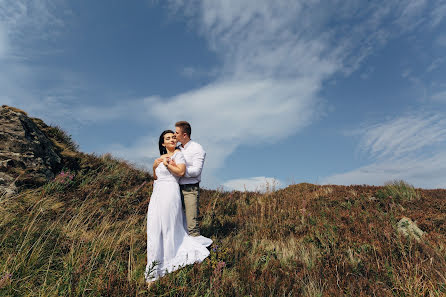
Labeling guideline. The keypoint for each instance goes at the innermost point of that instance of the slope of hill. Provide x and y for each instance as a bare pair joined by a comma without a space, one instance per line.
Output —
83,234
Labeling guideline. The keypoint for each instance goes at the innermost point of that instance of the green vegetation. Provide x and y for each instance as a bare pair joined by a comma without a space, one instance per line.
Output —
399,191
83,234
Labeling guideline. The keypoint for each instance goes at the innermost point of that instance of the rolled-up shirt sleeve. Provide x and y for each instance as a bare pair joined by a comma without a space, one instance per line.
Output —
194,169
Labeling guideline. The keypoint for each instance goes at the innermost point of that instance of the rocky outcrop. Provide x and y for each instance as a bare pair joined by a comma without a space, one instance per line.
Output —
409,228
27,156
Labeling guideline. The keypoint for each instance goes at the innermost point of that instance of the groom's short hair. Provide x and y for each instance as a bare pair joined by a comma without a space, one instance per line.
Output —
185,127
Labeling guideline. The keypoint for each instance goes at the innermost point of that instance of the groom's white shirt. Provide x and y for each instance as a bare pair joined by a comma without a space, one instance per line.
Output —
194,155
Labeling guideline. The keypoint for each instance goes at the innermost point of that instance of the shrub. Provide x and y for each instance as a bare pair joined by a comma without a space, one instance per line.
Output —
401,191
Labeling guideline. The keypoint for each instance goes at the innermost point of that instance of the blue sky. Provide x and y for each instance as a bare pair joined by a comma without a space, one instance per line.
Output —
277,92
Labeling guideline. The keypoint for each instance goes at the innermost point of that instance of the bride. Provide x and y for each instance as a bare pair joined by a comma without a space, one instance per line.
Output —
169,247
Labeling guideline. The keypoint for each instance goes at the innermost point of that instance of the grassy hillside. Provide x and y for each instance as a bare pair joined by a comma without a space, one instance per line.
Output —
83,234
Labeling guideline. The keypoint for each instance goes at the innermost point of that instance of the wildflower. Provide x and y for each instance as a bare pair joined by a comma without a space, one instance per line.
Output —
64,177
221,265
5,280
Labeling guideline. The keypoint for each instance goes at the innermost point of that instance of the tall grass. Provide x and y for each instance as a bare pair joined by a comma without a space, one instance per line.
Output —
399,190
71,240
86,236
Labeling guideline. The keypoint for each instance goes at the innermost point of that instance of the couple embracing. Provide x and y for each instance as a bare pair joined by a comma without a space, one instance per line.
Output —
173,236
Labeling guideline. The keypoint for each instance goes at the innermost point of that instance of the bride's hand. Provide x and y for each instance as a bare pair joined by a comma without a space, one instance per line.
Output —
166,161
172,162
157,162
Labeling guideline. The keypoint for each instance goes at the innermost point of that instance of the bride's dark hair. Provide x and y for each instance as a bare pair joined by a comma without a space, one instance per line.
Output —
162,148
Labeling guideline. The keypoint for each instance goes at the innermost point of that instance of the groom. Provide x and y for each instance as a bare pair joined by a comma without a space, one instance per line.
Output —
190,182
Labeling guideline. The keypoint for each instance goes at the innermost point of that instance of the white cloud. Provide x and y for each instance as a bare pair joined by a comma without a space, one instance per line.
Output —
261,38
404,135
30,21
411,11
427,172
435,64
394,143
438,14
226,114
253,184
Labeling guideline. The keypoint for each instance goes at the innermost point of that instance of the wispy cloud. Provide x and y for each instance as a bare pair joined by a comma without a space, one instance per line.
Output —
409,148
411,10
435,64
30,23
396,138
426,172
265,36
258,183
438,14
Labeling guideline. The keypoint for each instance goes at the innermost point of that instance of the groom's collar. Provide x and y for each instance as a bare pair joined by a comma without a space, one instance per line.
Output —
187,144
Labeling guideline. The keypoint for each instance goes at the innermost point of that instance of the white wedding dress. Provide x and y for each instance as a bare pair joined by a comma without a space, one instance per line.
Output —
169,246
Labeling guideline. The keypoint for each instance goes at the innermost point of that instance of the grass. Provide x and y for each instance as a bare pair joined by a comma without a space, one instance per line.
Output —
399,190
86,236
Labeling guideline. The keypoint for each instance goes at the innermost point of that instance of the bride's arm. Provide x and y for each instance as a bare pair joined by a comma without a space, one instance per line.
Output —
155,164
177,169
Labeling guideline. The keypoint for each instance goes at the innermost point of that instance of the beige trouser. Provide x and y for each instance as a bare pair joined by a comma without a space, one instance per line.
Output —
189,198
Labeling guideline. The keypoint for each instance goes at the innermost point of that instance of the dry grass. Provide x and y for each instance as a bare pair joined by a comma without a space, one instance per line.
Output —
86,237
15,109
306,240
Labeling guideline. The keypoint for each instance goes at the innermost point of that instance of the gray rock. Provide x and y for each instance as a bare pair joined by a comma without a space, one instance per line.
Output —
27,157
409,228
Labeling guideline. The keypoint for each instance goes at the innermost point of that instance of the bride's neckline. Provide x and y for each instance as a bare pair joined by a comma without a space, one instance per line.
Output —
172,154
